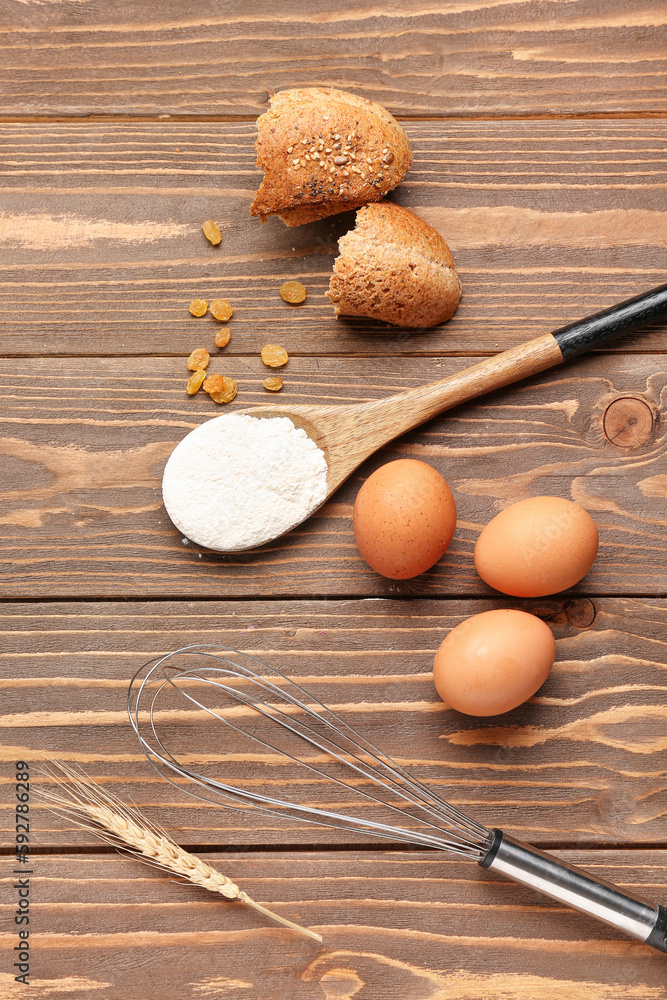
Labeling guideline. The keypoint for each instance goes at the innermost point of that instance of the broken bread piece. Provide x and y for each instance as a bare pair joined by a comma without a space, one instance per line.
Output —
396,268
325,151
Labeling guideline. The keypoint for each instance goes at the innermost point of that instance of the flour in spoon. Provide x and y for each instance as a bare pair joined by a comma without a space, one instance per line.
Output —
238,481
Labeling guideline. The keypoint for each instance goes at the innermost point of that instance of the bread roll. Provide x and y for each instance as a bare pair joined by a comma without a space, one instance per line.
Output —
324,151
396,268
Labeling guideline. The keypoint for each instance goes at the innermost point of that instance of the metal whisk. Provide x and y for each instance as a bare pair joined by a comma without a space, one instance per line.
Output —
294,729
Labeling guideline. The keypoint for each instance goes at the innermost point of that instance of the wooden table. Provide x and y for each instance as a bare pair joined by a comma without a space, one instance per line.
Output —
540,147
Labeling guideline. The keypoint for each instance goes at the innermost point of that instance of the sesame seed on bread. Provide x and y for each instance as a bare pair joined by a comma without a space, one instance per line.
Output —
396,268
325,151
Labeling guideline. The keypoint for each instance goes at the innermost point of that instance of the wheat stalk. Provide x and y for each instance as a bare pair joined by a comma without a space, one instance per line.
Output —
82,800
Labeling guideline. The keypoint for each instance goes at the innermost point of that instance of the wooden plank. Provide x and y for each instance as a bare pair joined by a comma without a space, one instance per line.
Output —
582,763
101,246
84,445
455,58
413,925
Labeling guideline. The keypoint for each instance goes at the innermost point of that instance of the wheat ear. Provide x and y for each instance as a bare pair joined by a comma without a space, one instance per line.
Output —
82,800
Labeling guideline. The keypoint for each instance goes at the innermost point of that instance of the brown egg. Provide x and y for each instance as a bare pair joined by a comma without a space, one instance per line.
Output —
537,547
493,662
404,518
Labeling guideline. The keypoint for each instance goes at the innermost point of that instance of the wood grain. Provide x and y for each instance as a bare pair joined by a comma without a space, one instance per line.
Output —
508,57
413,925
84,446
100,252
582,763
101,246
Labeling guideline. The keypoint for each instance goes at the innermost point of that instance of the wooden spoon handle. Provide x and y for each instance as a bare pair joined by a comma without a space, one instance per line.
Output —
385,419
411,408
356,432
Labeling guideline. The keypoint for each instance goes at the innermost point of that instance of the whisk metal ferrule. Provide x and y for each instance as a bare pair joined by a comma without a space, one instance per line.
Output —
579,889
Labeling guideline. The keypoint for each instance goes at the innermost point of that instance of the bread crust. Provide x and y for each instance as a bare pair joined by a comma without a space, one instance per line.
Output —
396,268
372,149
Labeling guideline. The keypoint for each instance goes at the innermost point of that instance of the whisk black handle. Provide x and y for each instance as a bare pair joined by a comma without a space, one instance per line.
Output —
602,326
578,889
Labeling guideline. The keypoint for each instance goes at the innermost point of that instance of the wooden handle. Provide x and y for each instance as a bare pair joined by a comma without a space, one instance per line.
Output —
354,433
528,359
411,408
359,431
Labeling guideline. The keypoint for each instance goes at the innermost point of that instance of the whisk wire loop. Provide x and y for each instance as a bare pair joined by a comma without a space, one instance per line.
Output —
276,714
281,704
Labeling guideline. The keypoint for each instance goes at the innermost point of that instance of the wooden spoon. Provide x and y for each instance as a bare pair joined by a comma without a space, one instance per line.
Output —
349,434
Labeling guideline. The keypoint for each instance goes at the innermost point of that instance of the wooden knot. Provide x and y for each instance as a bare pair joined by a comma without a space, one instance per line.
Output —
580,612
340,984
628,422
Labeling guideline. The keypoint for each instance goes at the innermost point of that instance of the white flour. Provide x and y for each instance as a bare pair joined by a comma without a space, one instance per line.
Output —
238,481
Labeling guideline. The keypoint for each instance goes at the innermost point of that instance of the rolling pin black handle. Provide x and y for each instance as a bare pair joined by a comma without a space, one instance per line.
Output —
587,333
